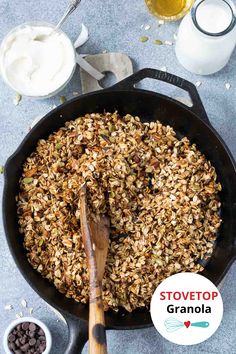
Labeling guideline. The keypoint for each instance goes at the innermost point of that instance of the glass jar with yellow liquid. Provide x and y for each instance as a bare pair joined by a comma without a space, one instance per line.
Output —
169,10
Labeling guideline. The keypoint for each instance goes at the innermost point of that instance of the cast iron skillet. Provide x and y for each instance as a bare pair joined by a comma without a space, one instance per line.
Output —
149,106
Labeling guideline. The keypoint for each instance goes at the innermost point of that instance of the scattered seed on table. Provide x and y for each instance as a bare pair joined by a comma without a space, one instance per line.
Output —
163,68
147,27
23,303
168,43
158,42
143,39
19,315
31,310
227,85
8,307
62,99
1,169
198,83
17,99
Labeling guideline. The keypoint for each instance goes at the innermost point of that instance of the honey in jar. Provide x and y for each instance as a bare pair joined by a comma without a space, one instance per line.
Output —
169,9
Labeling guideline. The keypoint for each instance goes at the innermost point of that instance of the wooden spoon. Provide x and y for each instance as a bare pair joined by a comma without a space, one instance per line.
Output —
95,237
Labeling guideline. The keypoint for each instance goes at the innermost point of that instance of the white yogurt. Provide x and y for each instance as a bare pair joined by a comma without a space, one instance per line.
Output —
35,61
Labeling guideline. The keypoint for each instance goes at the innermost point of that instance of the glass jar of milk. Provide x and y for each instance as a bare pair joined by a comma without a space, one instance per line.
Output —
207,36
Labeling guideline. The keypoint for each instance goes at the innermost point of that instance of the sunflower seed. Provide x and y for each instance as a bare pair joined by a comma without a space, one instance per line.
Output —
17,99
8,307
23,303
168,43
19,315
31,310
158,42
147,27
198,83
163,68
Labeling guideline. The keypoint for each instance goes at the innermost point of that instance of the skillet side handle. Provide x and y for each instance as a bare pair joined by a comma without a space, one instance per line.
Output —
174,80
78,335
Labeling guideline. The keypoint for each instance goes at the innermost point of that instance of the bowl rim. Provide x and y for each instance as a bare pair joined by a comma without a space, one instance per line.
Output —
38,322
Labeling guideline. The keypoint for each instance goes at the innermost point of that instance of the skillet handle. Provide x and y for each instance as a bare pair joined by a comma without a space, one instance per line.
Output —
174,80
78,335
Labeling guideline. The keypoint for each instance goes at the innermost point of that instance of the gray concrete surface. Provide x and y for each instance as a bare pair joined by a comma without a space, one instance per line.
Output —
114,26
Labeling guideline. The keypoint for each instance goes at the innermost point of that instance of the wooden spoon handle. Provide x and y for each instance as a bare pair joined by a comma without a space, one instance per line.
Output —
97,332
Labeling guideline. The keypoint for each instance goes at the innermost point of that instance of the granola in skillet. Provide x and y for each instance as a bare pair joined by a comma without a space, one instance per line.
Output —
160,192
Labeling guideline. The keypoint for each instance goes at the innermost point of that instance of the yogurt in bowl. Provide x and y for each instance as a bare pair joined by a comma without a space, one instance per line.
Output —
37,61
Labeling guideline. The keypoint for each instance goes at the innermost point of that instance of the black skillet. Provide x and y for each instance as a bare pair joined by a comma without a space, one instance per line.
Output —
149,106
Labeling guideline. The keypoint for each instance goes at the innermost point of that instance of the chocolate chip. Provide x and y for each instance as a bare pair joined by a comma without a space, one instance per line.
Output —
32,342
41,332
25,326
23,340
25,347
11,338
18,351
41,338
31,334
12,346
20,334
17,342
32,327
43,345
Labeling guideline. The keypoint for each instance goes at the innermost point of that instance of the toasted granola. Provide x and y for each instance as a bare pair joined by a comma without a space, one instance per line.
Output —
160,192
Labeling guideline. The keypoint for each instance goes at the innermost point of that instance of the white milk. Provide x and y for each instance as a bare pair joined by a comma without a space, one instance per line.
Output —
207,36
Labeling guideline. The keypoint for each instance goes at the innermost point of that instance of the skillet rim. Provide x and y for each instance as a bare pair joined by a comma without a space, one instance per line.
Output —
13,156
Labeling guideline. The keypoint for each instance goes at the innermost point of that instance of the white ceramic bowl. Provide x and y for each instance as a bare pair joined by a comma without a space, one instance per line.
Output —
13,324
35,24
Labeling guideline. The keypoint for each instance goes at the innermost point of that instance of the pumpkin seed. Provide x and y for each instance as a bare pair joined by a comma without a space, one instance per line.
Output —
158,42
62,99
143,39
58,146
27,180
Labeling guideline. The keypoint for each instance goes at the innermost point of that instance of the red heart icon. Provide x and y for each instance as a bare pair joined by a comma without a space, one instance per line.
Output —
187,324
